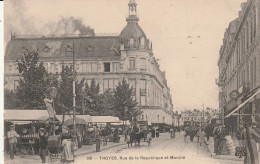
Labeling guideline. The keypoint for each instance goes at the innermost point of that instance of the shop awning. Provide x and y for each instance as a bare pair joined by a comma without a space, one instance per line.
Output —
241,105
21,122
157,116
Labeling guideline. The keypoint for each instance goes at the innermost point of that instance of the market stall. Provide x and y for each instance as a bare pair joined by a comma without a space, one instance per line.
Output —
106,121
26,125
82,124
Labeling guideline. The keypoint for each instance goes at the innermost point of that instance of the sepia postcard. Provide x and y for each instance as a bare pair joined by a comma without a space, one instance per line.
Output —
131,81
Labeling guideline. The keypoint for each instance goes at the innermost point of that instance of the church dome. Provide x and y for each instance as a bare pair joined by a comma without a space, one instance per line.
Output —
132,36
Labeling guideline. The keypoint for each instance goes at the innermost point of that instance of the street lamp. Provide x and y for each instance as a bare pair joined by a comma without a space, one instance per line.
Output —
74,90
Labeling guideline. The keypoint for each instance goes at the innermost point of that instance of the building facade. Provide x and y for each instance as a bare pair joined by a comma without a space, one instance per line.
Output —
239,67
107,59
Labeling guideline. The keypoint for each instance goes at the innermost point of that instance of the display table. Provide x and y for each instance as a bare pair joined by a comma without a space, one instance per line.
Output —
29,142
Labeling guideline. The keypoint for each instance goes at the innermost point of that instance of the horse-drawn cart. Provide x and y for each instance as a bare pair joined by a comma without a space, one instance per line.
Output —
140,132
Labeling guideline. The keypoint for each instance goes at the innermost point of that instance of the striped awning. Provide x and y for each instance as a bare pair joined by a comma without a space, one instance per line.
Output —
244,103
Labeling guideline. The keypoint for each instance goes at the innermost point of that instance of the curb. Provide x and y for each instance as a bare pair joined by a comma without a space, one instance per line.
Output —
94,151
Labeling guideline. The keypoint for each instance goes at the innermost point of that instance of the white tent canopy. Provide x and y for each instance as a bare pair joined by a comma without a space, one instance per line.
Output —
87,118
105,119
24,115
121,123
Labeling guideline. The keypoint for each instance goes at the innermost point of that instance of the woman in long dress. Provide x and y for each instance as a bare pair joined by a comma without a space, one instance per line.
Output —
67,147
202,137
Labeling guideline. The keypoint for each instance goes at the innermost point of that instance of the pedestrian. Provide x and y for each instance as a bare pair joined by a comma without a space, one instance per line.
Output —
239,136
115,136
202,137
192,134
43,144
153,132
252,136
12,140
185,136
68,145
171,132
149,137
218,139
157,132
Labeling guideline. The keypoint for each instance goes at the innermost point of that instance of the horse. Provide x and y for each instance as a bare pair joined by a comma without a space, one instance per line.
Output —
135,135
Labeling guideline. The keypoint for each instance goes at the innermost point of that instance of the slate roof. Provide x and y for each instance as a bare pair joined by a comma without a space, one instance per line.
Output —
50,47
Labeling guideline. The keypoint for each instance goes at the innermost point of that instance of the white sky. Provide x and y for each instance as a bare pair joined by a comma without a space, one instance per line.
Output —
167,23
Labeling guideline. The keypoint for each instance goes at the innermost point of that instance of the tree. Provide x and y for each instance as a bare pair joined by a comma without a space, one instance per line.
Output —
92,98
123,101
66,87
107,104
63,103
33,82
11,100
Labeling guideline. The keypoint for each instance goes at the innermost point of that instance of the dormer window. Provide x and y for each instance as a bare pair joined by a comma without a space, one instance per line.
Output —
46,49
131,41
68,50
89,48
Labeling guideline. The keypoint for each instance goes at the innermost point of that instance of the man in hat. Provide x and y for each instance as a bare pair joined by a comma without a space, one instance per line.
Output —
12,139
43,144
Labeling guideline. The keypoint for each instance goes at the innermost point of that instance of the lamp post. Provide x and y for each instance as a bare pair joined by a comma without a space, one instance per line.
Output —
74,92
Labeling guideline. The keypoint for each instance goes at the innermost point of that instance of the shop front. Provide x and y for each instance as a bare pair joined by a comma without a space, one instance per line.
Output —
231,123
249,108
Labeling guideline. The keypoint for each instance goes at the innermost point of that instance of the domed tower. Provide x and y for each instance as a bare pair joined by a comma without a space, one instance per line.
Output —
132,36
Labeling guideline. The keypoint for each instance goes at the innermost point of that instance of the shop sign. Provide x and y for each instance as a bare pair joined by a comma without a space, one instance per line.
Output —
234,94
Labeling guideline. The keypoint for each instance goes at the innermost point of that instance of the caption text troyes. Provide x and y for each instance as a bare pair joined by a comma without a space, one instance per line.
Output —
171,157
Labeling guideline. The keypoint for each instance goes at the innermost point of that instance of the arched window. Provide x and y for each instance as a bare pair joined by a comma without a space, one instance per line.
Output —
142,41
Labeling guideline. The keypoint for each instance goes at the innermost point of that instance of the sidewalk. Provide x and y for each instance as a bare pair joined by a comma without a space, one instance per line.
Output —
222,157
85,149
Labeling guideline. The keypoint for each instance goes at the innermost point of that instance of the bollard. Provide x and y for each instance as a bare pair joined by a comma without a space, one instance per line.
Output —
97,145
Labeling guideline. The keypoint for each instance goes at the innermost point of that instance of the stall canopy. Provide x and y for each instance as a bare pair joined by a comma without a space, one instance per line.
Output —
105,119
21,116
87,118
121,123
